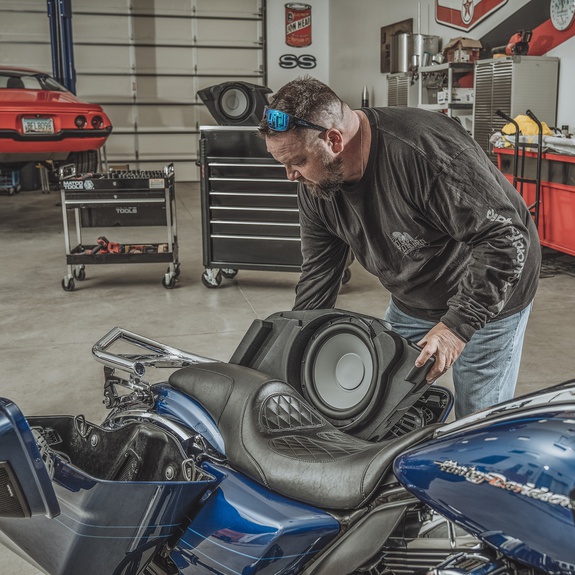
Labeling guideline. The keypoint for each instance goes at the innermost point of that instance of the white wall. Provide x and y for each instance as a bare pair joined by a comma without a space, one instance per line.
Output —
276,44
565,107
355,30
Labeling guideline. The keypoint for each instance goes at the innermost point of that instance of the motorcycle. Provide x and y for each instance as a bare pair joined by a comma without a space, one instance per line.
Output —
318,448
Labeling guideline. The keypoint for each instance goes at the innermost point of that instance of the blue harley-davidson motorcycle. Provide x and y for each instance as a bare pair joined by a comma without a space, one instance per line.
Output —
317,449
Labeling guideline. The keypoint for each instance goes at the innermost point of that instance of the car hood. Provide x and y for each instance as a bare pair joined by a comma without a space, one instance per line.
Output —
24,99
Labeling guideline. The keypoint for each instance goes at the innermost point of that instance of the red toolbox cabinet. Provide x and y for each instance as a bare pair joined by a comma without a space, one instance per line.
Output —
557,195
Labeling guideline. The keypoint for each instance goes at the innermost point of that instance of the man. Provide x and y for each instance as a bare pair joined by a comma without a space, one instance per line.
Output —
423,209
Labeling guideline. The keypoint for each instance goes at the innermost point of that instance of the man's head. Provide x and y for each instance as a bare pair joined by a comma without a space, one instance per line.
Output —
303,127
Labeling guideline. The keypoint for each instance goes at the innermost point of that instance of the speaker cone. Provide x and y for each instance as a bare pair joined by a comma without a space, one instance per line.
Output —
340,371
235,103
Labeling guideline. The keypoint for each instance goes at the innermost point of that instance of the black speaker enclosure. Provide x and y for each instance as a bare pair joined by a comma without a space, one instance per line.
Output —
235,103
289,345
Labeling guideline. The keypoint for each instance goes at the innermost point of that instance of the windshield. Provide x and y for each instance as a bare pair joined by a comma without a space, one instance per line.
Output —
13,79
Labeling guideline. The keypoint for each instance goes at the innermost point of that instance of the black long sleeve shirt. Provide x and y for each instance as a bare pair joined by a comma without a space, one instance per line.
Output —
432,218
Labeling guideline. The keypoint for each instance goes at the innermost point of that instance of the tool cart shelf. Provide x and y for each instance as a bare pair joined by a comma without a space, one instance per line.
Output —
250,216
115,199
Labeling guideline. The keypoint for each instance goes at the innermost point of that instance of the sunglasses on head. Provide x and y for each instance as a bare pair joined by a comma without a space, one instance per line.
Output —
279,121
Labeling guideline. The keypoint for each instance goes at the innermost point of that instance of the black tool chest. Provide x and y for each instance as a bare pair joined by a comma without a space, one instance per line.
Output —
249,208
117,199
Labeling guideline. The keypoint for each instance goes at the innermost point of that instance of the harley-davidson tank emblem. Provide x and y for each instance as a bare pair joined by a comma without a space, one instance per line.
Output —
476,476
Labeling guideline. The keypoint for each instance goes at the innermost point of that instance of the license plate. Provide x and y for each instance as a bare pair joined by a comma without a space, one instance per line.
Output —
38,125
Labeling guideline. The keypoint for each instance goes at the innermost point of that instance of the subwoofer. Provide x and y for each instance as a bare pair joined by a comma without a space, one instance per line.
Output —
235,103
357,372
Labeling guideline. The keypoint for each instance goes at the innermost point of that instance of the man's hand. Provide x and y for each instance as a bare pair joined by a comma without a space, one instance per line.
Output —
445,345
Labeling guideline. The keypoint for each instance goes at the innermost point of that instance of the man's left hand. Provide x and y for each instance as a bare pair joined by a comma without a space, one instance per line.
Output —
441,342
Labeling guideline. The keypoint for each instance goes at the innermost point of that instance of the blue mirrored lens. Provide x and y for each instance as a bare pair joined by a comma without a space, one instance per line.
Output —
278,121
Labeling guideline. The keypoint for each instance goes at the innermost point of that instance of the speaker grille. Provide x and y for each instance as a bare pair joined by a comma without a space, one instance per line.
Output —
12,500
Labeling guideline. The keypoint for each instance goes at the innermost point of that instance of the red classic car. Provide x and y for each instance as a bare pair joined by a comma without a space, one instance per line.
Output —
40,120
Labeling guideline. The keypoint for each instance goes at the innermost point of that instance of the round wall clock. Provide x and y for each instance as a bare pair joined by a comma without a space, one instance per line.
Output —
562,13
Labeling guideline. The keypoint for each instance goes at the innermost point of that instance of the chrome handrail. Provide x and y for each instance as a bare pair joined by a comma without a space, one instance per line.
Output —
162,355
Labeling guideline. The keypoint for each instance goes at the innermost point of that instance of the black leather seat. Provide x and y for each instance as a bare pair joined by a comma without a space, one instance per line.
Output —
276,438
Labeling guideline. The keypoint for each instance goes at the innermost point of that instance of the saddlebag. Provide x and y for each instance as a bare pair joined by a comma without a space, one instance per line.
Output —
122,494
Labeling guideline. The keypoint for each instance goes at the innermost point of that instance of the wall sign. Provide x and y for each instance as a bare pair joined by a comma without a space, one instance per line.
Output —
298,24
465,14
306,61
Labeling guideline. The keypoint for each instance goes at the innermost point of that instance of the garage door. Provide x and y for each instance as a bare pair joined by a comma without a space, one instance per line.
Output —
144,61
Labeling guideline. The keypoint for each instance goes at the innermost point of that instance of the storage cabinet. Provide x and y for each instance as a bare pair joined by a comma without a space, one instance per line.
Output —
439,90
557,196
513,84
249,207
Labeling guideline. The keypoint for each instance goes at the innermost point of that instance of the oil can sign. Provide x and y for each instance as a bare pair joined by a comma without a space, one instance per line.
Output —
298,24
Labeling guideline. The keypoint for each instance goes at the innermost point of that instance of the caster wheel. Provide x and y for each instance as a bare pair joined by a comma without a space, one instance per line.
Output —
229,273
80,274
68,284
169,281
211,280
346,276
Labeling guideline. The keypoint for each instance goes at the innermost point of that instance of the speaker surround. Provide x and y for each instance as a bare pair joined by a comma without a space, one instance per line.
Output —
339,370
235,103
351,367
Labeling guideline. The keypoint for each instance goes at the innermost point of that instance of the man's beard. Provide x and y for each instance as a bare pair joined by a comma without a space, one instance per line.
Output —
329,187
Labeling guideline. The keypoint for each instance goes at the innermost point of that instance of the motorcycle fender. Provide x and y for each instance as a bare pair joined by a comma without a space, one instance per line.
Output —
25,486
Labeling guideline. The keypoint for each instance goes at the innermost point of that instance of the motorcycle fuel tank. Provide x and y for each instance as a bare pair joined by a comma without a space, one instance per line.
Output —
508,479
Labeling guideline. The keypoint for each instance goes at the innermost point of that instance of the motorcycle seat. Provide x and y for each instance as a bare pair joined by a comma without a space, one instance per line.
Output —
272,435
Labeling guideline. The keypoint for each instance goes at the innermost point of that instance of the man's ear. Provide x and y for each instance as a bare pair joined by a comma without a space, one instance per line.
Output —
334,140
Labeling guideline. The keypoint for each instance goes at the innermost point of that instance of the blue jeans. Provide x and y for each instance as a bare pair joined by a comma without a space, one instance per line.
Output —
485,373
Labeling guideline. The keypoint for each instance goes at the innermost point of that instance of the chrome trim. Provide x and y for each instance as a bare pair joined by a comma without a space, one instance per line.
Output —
212,179
126,417
250,209
252,223
252,195
282,238
240,165
114,201
163,355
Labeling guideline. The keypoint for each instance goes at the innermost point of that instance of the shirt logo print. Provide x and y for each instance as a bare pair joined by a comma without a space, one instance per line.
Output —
406,244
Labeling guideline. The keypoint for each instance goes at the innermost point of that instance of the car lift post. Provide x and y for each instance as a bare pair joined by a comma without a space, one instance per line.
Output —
60,17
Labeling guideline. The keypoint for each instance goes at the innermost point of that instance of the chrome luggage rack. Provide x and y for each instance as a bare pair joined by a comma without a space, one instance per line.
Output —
159,356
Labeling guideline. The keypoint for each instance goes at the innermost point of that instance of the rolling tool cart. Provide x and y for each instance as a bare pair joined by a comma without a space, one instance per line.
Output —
119,198
250,216
249,208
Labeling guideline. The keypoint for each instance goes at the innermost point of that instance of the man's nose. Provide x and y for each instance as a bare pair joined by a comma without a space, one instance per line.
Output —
292,174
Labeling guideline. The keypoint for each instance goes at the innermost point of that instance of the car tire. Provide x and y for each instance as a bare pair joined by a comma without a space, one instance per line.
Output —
85,162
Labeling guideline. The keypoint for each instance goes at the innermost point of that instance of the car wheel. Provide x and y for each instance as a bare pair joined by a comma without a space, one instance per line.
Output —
85,162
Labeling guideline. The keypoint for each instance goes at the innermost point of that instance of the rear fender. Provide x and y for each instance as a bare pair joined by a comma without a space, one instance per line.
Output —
25,485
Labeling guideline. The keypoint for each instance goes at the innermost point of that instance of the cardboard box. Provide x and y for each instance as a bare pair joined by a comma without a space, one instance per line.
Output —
462,50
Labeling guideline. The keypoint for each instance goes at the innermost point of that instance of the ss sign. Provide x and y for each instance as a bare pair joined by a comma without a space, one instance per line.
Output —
306,61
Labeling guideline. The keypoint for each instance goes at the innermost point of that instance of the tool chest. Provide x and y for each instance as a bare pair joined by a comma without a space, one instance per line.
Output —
114,200
10,181
250,216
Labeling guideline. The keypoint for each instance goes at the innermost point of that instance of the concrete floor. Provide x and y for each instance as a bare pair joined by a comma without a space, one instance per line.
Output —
46,334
